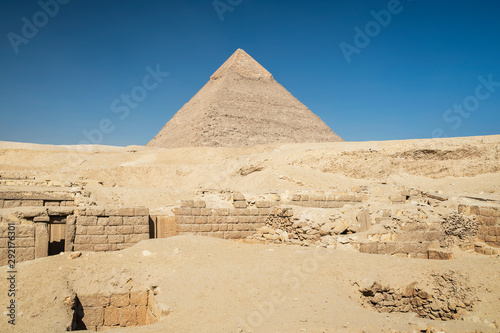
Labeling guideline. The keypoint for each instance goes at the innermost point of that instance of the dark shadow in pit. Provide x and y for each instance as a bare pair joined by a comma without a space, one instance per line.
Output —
77,324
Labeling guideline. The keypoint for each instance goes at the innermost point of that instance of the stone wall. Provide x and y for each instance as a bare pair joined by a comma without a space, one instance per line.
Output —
35,199
193,217
326,199
127,309
107,228
488,218
22,240
86,229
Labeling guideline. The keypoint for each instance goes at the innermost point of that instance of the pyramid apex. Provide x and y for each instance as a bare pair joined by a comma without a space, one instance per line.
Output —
243,64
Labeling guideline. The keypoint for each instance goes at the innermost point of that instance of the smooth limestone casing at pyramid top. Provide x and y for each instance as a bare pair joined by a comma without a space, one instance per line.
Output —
242,105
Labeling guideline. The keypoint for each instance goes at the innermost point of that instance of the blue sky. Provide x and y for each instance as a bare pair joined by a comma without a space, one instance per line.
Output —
424,69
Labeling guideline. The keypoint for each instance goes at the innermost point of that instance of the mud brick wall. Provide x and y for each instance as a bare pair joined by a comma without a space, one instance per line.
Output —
488,218
24,242
107,228
325,200
35,199
126,309
228,223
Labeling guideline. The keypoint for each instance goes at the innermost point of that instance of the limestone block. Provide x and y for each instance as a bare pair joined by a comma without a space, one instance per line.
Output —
489,211
115,221
233,235
24,254
221,211
184,228
238,197
125,230
86,220
363,218
102,247
262,204
82,239
132,220
265,211
51,203
95,230
139,298
136,238
24,242
112,211
127,211
93,316
41,240
96,211
124,246
205,227
201,219
83,247
205,211
240,204
440,254
371,247
187,204
141,229
25,230
141,315
397,198
200,204
119,300
103,221
94,300
12,203
116,239
128,316
31,203
98,239
182,211
296,197
111,316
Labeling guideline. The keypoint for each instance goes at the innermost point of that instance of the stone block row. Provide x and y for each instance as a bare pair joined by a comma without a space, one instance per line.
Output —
46,196
407,249
112,211
24,243
223,234
13,203
103,221
488,218
115,310
325,200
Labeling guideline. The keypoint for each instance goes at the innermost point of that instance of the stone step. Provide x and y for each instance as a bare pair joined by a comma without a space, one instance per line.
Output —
406,249
483,248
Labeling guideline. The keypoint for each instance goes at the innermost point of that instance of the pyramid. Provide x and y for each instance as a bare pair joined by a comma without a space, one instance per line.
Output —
242,105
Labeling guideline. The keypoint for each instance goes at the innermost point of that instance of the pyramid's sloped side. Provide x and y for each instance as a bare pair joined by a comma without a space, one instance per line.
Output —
235,112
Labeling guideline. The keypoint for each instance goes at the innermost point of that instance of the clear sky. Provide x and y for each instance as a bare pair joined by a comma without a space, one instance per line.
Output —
372,70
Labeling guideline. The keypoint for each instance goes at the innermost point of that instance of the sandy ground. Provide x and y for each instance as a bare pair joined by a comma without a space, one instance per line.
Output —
214,285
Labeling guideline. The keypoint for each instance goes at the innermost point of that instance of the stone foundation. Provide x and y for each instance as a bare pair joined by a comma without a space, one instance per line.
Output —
100,312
